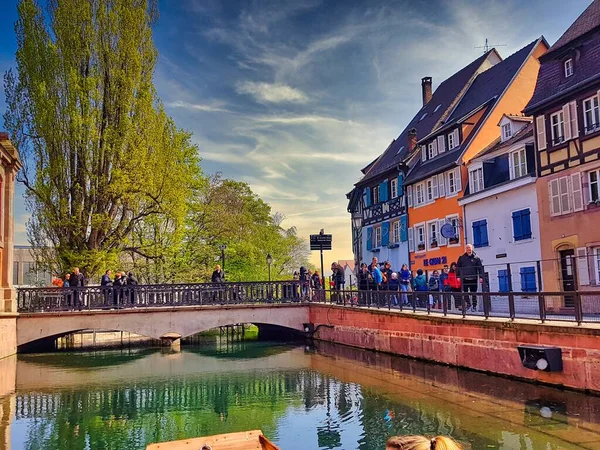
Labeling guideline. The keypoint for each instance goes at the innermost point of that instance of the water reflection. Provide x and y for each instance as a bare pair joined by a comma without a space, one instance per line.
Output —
330,398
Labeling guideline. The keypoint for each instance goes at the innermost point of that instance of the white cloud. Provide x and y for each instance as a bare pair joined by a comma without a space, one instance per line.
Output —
197,106
271,92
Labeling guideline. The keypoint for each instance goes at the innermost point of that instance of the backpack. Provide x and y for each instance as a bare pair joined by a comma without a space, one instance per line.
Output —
434,284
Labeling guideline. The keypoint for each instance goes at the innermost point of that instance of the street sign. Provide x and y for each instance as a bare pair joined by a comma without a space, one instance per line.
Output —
320,241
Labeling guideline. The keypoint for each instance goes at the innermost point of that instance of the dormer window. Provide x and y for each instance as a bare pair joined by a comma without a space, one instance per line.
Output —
568,67
506,131
432,149
453,140
437,107
476,179
423,116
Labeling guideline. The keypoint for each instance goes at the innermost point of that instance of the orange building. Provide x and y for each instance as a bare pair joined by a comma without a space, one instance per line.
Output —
438,176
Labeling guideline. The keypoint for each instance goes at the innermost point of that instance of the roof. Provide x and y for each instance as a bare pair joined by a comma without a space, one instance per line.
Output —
445,96
524,133
586,22
517,118
551,84
486,89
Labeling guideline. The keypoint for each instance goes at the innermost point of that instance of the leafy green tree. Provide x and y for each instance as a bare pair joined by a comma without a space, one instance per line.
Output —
101,157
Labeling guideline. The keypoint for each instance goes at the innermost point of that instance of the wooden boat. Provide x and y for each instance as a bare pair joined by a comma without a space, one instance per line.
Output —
245,440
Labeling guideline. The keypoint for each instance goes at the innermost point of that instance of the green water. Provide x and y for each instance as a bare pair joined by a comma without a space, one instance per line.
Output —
324,398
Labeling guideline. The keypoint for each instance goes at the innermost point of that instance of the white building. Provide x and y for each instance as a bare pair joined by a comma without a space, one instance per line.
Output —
501,209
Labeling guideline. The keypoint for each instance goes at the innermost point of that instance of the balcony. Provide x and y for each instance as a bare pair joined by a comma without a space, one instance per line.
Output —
383,211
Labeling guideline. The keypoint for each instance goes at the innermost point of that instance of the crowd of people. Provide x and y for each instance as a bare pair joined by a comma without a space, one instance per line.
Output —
464,275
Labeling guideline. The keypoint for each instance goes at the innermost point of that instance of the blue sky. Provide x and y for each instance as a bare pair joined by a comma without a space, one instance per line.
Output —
294,97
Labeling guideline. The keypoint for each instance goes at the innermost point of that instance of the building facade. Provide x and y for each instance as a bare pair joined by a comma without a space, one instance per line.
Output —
25,272
565,106
500,209
439,178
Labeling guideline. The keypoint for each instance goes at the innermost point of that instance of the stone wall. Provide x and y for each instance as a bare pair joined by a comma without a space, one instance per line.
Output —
479,344
8,335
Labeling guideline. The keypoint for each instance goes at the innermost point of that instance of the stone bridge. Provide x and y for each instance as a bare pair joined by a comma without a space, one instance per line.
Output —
169,323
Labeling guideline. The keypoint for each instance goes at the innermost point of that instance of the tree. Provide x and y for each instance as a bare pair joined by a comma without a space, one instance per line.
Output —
101,157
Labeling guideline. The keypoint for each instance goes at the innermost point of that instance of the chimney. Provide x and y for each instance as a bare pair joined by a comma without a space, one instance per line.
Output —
426,88
3,136
412,139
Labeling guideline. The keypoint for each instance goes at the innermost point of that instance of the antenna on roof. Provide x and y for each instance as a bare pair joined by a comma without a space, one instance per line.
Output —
486,47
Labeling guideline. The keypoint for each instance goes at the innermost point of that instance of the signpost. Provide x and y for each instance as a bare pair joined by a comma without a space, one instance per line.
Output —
321,242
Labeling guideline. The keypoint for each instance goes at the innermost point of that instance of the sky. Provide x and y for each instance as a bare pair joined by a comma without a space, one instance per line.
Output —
295,97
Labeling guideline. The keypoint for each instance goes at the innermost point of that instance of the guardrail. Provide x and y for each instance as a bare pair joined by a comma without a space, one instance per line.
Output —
572,306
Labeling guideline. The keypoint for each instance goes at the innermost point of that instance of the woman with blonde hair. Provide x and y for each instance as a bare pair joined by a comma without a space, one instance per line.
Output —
421,443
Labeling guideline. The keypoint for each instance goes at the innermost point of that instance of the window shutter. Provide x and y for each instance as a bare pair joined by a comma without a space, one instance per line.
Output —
565,195
583,267
383,191
441,185
411,240
528,283
434,183
517,229
369,238
456,143
567,121
400,188
441,239
511,166
403,228
367,197
409,196
385,234
423,153
458,180
476,234
526,223
540,125
484,233
441,144
577,192
435,148
503,280
574,122
554,194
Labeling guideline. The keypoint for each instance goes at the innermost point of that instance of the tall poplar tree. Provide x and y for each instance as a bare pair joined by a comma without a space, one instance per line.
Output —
100,155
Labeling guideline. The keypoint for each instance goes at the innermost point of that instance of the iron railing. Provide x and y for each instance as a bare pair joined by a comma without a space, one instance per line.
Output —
569,306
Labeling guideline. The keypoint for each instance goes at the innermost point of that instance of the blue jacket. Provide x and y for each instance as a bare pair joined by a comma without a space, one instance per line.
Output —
377,275
420,283
404,276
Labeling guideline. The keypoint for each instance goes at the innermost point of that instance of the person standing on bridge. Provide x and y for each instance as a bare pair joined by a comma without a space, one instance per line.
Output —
469,270
218,276
76,281
106,284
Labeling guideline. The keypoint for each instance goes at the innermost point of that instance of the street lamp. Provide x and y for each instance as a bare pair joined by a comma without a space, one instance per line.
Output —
222,247
269,262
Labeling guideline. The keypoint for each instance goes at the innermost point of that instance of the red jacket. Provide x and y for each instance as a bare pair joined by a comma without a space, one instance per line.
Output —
452,281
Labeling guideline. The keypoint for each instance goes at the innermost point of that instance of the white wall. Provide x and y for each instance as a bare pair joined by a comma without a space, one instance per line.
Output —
497,210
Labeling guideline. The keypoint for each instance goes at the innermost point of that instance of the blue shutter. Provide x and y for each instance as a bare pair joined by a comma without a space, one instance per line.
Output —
502,281
528,283
526,223
385,234
517,228
476,236
484,233
400,187
367,197
383,191
480,234
403,228
369,238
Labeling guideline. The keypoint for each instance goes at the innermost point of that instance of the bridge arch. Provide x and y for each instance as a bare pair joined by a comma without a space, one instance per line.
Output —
157,322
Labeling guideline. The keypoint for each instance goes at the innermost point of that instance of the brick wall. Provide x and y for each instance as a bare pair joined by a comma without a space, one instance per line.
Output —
489,346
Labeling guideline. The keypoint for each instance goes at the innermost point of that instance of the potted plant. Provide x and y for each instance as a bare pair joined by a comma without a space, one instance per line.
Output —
421,246
453,241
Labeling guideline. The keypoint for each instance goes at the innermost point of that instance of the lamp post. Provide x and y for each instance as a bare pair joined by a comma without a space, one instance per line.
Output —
222,247
269,262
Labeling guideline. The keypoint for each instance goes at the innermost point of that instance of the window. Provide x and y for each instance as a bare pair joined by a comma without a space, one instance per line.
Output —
453,182
437,107
15,273
521,224
568,68
432,150
476,177
594,176
453,140
557,127
377,242
376,195
528,283
591,115
518,164
566,194
597,263
430,190
506,131
420,237
503,281
480,234
454,221
400,150
423,116
419,194
394,187
396,231
433,235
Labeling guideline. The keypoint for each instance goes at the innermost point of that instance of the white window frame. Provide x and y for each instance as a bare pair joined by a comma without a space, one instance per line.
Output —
432,149
455,174
568,65
476,179
522,157
419,189
450,219
376,194
377,237
417,227
394,188
396,231
595,125
429,190
506,131
597,183
596,253
430,235
560,123
453,140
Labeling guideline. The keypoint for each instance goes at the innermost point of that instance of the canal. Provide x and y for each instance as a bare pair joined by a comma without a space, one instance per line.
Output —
327,397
